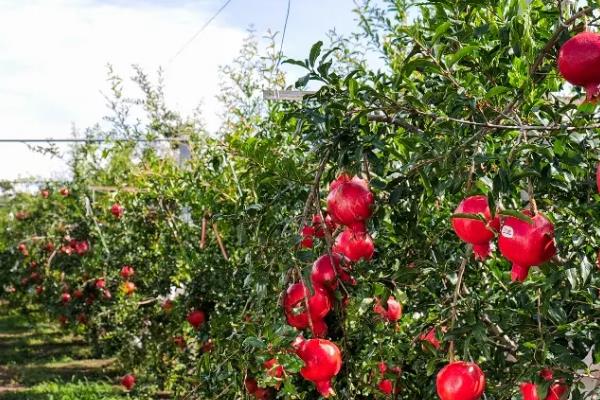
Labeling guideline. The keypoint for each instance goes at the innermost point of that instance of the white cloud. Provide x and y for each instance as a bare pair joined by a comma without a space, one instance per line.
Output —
53,55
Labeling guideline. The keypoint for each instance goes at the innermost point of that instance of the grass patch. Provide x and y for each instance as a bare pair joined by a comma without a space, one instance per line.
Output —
79,390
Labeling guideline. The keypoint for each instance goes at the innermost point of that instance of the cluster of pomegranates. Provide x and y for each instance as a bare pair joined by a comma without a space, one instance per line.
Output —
386,385
127,273
526,242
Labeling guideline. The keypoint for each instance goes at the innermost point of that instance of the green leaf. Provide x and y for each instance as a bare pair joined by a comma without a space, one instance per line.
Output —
440,31
315,51
516,214
462,53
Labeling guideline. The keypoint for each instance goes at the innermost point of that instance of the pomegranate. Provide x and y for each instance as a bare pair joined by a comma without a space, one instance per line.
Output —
354,245
579,62
39,290
476,232
386,386
100,283
349,201
322,361
128,381
179,342
556,391
323,273
106,294
526,244
319,227
65,298
167,305
307,233
117,210
547,374
382,367
64,192
460,381
49,247
80,247
23,249
128,288
431,337
393,312
295,307
273,368
196,318
45,193
127,272
250,384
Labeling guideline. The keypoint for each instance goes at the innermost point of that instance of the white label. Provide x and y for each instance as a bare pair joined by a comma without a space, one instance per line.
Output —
507,231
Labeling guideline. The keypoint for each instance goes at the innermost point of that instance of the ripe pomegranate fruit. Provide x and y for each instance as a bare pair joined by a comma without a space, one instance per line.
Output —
386,386
65,298
64,192
49,247
273,368
393,312
460,381
431,337
547,374
323,273
319,227
39,290
45,193
196,318
250,384
473,231
294,307
526,244
167,305
100,283
117,210
579,62
349,201
80,246
322,361
354,245
23,249
382,367
307,233
128,288
128,381
556,391
127,271
179,342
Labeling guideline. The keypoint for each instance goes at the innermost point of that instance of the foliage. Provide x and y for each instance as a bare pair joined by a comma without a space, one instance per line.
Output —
469,102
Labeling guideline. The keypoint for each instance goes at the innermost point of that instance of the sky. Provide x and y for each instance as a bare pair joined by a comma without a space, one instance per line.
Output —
54,53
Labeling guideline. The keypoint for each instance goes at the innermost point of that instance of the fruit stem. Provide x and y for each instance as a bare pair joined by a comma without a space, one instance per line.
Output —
203,236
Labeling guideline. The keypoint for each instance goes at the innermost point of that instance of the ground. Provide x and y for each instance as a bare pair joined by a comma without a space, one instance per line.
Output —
39,361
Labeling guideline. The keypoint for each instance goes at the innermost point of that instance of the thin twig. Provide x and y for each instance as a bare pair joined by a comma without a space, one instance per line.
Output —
220,241
454,313
203,236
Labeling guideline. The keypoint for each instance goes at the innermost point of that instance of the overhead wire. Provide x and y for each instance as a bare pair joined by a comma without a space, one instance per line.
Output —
206,24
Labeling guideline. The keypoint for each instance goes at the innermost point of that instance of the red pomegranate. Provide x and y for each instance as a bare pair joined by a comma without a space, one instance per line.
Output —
250,384
307,233
386,386
45,193
349,201
317,224
100,283
65,298
179,342
128,288
579,62
81,247
167,305
526,244
49,247
128,381
294,307
547,374
117,210
322,361
382,367
273,368
64,192
556,391
323,273
23,249
460,381
393,312
127,271
354,245
473,231
196,318
431,337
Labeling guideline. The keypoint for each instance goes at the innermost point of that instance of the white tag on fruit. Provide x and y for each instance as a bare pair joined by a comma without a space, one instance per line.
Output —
507,231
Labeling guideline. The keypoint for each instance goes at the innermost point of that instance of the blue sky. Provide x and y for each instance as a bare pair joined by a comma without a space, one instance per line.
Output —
53,55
